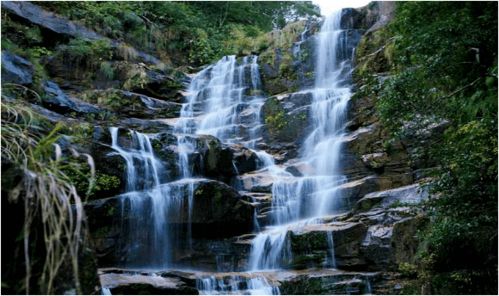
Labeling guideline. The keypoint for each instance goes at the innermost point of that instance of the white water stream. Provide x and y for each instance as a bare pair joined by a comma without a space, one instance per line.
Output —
224,100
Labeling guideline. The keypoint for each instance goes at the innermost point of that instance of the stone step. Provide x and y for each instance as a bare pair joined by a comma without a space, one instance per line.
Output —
309,281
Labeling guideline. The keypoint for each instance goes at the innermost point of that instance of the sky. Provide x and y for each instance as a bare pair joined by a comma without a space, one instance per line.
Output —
328,6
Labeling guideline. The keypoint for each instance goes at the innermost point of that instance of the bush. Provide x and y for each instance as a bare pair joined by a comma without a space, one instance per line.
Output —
445,68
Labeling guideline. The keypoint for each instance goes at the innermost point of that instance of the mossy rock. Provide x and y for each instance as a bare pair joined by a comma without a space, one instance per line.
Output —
281,125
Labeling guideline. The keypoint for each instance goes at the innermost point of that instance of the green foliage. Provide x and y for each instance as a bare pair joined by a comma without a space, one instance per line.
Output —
197,32
81,177
87,53
275,116
444,67
106,70
276,121
48,196
407,269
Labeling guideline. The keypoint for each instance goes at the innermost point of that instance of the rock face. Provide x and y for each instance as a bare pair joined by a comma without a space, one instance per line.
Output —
60,26
129,104
216,212
120,282
55,99
48,20
16,69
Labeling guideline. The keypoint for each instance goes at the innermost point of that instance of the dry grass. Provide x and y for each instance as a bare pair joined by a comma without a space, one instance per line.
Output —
47,192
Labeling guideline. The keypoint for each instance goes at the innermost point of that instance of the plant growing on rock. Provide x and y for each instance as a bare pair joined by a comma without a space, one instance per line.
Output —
47,194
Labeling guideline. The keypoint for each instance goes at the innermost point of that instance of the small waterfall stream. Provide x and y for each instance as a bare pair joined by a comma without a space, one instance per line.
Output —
225,100
301,201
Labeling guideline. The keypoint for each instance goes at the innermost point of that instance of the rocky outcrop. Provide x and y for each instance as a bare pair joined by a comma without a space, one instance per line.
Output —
48,20
130,104
287,65
212,209
378,235
287,117
122,282
55,99
60,26
16,69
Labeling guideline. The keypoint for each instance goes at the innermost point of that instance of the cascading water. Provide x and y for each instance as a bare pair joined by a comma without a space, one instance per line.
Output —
150,202
224,100
299,201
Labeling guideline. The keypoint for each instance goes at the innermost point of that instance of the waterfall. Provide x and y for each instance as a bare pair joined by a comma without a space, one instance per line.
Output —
225,100
239,285
300,201
150,202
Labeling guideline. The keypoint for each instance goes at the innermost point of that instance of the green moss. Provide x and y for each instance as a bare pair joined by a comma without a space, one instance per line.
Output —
277,121
218,197
106,182
111,211
275,117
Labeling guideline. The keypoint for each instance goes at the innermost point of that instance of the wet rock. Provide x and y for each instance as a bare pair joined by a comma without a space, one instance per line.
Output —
376,247
375,160
245,160
207,158
147,126
16,69
51,116
256,181
151,81
217,210
217,160
129,104
286,121
55,99
352,191
104,222
140,283
407,195
404,238
48,20
107,161
312,239
328,282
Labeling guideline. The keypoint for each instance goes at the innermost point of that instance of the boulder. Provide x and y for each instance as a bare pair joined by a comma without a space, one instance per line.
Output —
16,69
206,156
352,191
216,159
50,21
311,245
55,99
376,247
216,210
245,160
260,181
